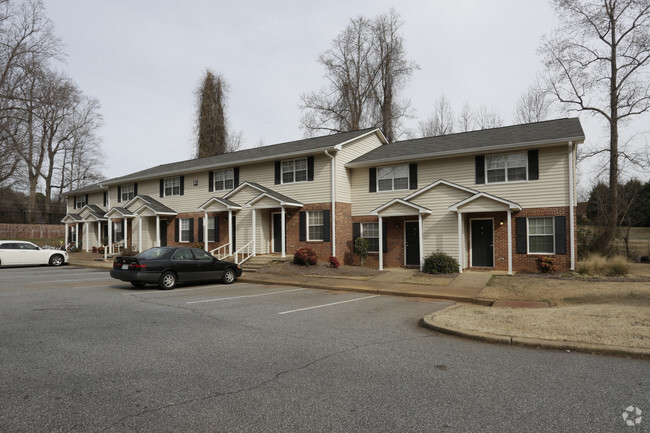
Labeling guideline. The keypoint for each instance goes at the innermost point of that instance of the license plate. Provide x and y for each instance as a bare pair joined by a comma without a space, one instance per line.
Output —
124,267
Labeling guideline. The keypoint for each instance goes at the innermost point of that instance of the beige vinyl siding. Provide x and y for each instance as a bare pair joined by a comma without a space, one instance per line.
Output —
350,152
551,189
484,204
96,198
398,209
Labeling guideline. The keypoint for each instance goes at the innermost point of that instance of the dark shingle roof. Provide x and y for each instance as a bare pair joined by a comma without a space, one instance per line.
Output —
84,190
155,205
509,137
242,156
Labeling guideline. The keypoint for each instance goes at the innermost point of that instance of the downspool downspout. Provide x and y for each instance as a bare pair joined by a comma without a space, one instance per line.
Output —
571,207
333,213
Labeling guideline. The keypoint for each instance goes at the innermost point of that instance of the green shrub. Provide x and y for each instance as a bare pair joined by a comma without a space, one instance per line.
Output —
361,247
440,263
305,257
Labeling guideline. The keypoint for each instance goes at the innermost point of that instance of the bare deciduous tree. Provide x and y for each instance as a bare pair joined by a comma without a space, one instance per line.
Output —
597,62
485,118
466,118
533,105
441,121
366,69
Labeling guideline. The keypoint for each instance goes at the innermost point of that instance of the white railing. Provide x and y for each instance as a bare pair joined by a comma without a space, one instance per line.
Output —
221,252
244,253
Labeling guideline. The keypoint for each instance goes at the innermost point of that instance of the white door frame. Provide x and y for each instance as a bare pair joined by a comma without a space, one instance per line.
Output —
494,249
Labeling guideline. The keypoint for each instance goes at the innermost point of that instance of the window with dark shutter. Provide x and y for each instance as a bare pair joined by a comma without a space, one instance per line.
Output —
211,181
176,229
372,179
191,229
236,177
560,235
480,169
533,165
356,233
278,168
119,194
162,187
302,226
520,231
326,226
182,185
310,168
200,229
215,222
413,176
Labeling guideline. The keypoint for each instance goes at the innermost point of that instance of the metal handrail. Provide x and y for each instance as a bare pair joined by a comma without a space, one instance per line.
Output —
221,254
246,253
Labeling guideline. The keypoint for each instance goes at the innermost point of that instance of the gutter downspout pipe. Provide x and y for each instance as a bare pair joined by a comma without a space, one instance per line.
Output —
333,212
571,207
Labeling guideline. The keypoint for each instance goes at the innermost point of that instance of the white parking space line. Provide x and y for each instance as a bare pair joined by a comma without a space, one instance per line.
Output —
14,275
328,305
215,286
244,296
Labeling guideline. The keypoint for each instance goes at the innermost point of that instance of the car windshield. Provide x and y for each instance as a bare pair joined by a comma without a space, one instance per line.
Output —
153,253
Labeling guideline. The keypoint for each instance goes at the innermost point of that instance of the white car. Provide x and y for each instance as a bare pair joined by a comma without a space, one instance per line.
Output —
14,253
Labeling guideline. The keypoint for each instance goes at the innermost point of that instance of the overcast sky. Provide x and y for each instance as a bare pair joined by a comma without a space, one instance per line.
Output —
143,61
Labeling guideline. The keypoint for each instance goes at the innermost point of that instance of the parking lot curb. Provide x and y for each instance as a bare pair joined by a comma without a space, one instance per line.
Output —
429,322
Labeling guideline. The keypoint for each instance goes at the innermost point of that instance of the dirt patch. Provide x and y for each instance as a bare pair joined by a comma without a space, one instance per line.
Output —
321,270
616,325
431,280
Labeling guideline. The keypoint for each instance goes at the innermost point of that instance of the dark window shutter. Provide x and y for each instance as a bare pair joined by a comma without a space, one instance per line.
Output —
277,172
119,194
74,201
162,187
356,233
236,175
201,229
182,185
303,226
105,198
372,179
560,235
413,176
326,225
310,168
211,181
480,169
533,164
176,230
191,229
87,199
384,236
520,235
135,189
216,229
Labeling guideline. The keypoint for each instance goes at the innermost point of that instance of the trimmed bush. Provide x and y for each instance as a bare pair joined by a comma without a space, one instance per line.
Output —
546,264
305,257
440,263
334,262
361,247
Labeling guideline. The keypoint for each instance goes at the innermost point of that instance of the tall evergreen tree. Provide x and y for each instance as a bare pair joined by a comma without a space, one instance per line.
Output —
211,121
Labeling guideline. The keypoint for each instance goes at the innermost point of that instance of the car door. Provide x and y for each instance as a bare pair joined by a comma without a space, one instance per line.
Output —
8,254
31,254
184,265
208,267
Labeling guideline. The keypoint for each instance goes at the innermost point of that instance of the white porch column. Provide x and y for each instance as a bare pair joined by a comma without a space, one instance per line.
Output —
66,234
381,245
205,229
76,235
110,236
509,242
282,219
254,235
230,232
139,233
99,233
461,253
157,230
86,235
126,234
420,231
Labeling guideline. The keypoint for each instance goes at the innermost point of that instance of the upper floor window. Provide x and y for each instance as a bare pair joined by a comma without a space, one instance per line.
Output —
506,168
172,186
541,235
393,178
128,192
224,180
79,201
315,225
294,171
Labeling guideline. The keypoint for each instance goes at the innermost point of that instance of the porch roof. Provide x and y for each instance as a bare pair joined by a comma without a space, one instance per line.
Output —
227,204
411,208
154,205
72,218
94,212
121,213
282,200
501,204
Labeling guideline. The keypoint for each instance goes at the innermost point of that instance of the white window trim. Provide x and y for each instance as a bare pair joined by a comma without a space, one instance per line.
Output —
78,202
212,220
362,236
528,236
487,182
309,225
282,182
408,177
124,195
226,171
176,181
181,230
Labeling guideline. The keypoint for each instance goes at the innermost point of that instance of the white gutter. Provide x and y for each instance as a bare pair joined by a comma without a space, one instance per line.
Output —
333,213
571,207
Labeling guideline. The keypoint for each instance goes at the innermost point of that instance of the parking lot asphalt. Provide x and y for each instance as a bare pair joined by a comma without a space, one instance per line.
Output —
82,352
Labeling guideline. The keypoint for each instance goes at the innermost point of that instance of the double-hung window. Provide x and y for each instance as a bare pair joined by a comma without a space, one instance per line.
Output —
506,168
79,201
393,178
119,233
224,180
184,230
315,225
294,171
128,192
211,228
541,235
172,186
370,231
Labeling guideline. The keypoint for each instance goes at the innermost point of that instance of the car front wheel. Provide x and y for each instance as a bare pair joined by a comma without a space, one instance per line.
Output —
228,276
167,281
56,260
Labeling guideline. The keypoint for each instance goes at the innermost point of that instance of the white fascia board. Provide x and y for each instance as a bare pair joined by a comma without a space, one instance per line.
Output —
438,182
218,200
512,205
475,151
240,187
420,209
280,202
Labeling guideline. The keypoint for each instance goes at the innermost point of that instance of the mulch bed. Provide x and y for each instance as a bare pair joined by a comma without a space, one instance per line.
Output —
322,269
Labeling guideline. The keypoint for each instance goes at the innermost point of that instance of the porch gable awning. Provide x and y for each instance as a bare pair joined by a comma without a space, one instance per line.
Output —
272,198
119,212
440,182
216,204
484,202
72,218
398,207
92,212
147,202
